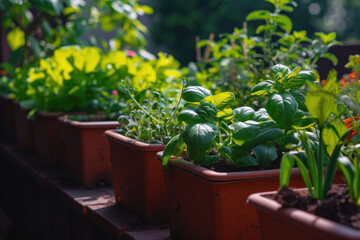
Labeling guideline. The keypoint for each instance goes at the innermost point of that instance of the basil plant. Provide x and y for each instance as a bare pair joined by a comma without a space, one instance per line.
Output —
215,130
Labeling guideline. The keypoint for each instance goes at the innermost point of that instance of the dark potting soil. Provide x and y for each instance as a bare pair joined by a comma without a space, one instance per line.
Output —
337,205
224,165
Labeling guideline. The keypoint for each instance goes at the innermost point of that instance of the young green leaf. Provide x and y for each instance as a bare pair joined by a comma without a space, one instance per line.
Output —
282,107
195,93
243,114
174,147
221,100
265,154
262,88
198,139
278,71
190,116
245,161
287,163
258,15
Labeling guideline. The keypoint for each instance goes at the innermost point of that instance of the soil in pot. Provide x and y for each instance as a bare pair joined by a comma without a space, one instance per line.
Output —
337,205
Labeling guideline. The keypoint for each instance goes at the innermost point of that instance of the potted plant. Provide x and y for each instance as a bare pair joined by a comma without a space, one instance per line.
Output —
230,152
238,61
290,208
146,128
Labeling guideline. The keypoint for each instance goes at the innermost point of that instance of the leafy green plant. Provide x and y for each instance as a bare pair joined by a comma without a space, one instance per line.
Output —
79,79
238,61
154,119
327,108
38,27
214,130
285,101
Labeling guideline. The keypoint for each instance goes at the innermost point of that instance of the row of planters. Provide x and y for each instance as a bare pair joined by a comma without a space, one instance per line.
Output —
252,123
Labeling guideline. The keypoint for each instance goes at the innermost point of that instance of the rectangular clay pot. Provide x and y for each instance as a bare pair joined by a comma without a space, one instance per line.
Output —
24,129
137,177
86,150
48,147
204,204
290,223
7,122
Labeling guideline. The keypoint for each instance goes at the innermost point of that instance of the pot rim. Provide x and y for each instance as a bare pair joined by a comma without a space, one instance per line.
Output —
92,124
119,138
300,217
224,176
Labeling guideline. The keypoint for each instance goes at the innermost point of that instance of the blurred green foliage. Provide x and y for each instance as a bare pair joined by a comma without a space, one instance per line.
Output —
176,24
35,28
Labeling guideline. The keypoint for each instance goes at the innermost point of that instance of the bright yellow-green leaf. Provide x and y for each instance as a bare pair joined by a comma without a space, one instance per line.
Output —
172,73
16,38
227,114
221,100
91,56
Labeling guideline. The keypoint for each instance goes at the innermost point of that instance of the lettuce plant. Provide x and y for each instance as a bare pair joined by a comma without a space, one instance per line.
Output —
78,79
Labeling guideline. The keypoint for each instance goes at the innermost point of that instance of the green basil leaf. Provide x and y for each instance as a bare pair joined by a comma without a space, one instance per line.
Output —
221,100
299,80
244,133
175,147
262,88
243,114
195,93
265,154
261,115
209,159
207,111
279,71
300,99
199,139
245,161
282,107
189,116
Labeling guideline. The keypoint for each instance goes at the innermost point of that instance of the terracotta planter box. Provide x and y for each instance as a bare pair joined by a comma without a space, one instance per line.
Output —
48,147
290,223
24,129
86,150
137,177
7,122
204,204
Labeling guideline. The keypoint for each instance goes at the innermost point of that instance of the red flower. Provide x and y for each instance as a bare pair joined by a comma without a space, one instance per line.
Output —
349,124
323,82
343,82
115,93
352,77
